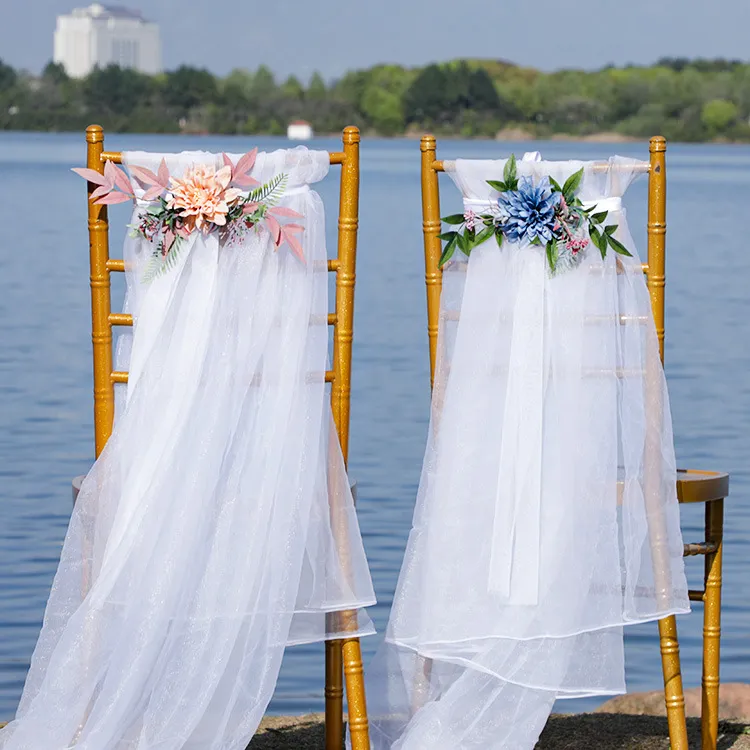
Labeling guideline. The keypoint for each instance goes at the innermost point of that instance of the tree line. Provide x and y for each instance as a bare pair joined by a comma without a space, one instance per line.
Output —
682,99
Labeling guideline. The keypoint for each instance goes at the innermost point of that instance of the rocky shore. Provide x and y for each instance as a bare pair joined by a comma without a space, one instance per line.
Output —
600,731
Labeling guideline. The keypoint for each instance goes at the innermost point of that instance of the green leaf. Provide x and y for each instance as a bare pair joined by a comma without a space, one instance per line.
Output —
450,248
269,192
572,184
599,240
501,187
464,244
611,229
447,236
509,172
600,217
618,247
453,219
555,184
552,255
159,264
498,236
484,235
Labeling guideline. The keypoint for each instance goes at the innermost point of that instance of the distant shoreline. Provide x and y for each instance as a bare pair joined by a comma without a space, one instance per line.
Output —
504,136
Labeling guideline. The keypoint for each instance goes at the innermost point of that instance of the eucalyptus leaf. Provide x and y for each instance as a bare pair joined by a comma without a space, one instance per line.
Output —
447,236
618,247
450,248
501,187
555,184
453,219
611,229
484,235
463,243
600,217
553,254
498,237
599,240
509,172
572,184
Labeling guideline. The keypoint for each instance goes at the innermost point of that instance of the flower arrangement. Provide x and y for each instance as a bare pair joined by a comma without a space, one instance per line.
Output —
205,199
542,214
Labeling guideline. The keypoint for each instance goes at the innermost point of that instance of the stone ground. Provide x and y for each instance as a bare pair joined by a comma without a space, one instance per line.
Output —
599,731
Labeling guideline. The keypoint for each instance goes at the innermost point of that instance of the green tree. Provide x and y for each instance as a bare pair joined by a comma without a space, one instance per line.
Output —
383,110
427,98
718,115
115,90
238,84
293,88
316,89
189,87
55,74
8,77
264,84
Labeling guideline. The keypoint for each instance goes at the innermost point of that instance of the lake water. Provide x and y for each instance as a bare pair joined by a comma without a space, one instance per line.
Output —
46,433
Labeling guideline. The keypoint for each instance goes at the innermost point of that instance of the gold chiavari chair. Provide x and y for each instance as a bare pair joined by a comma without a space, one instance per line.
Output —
343,657
692,486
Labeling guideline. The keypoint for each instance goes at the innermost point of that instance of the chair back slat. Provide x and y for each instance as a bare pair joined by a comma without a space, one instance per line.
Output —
657,231
101,302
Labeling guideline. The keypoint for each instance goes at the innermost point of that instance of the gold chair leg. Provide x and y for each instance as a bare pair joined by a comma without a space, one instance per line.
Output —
359,725
712,627
673,693
334,695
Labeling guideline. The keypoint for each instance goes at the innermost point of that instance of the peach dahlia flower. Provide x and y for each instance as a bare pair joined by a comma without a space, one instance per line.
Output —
203,196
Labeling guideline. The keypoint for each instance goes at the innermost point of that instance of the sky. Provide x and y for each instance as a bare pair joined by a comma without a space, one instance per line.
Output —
332,36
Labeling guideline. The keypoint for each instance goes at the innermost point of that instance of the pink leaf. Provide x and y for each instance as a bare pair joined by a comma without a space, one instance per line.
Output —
122,181
227,162
294,243
112,198
244,180
249,208
153,193
246,162
110,172
274,228
283,211
99,192
163,176
294,228
91,175
144,176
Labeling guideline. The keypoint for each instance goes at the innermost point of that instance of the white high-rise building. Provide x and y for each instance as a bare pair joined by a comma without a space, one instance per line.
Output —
104,35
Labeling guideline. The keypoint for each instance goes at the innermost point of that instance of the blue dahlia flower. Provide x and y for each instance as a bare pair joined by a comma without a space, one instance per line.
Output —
530,211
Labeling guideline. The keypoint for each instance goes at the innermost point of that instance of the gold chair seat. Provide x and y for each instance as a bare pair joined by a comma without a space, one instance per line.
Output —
694,486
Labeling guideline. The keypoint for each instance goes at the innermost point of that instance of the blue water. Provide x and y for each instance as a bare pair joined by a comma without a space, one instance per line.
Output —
46,392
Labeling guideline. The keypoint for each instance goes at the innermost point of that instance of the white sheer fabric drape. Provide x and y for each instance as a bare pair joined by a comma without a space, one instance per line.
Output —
547,515
217,526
